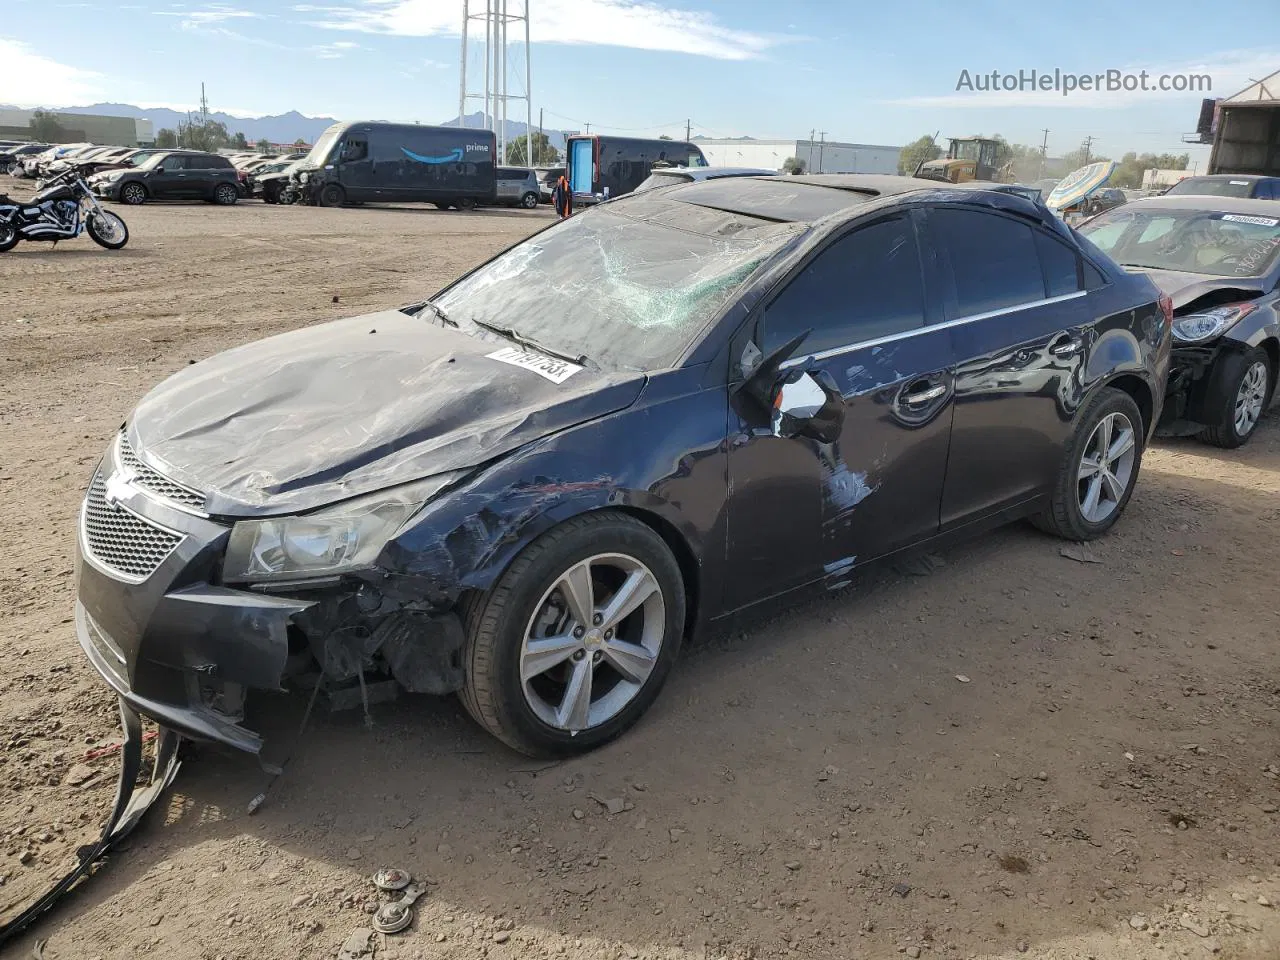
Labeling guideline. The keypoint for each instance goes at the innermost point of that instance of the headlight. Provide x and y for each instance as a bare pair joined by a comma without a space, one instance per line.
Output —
114,175
1207,324
304,177
345,537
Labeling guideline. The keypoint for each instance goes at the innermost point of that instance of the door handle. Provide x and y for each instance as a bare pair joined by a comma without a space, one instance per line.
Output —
924,396
1066,346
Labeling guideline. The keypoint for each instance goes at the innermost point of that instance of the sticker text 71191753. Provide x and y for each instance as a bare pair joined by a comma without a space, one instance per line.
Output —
552,368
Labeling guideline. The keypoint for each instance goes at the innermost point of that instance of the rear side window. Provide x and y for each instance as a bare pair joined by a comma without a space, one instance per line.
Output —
864,286
1060,263
993,259
219,162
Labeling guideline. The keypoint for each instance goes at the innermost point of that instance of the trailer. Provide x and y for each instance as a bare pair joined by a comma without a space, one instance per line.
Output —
1244,130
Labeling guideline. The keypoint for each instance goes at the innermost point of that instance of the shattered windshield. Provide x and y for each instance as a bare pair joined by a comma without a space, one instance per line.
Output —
318,153
629,285
1189,241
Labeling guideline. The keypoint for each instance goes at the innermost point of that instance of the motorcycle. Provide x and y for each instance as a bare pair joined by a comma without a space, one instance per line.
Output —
64,209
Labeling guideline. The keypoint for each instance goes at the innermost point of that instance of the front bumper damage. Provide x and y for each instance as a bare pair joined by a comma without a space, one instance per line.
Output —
178,646
131,803
1194,387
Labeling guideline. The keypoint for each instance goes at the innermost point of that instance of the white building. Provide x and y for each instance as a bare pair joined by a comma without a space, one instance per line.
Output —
1153,179
819,156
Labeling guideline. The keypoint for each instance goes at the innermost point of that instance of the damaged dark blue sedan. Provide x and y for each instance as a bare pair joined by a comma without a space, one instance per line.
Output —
531,488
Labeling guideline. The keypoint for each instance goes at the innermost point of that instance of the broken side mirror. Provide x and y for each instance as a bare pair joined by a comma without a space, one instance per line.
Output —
807,403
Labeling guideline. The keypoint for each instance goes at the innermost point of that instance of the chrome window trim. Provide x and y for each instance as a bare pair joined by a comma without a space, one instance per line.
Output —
906,334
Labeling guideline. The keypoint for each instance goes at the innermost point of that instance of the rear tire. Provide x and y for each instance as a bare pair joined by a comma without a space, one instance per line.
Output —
511,698
1250,383
529,201
332,195
8,238
225,194
1085,502
466,203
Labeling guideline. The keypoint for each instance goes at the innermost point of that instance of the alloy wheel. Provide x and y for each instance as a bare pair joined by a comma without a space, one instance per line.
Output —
592,642
133,193
1106,467
1250,398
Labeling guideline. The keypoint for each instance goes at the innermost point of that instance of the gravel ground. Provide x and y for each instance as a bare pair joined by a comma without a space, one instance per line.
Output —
1007,753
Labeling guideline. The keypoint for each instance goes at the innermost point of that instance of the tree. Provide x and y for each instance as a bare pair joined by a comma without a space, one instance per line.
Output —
793,166
209,135
915,153
544,154
240,141
45,127
300,143
166,138
263,145
1132,166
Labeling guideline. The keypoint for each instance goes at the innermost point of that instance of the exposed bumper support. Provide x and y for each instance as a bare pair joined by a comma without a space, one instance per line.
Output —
131,803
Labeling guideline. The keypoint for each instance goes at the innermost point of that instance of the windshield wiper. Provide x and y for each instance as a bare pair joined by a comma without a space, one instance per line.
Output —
528,342
443,317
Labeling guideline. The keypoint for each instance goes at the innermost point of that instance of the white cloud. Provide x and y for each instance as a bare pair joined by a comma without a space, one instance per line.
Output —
216,13
27,72
639,24
332,51
1229,72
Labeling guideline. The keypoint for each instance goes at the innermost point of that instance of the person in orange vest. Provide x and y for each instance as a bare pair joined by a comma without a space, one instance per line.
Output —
562,197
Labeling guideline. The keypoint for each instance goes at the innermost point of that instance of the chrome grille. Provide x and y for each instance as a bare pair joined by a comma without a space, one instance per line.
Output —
148,479
121,541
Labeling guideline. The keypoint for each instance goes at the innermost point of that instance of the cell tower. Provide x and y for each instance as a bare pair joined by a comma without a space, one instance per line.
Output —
493,20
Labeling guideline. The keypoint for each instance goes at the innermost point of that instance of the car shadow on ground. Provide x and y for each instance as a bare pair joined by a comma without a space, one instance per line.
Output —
848,774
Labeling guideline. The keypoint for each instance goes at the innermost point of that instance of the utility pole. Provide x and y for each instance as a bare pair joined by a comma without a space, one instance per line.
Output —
588,126
812,133
822,148
1088,145
688,130
1044,153
204,105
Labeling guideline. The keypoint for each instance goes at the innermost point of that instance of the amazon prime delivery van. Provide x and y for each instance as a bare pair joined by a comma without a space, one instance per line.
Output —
399,163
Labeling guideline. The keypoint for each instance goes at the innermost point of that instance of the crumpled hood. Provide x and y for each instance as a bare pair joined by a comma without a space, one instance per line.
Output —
333,411
1184,288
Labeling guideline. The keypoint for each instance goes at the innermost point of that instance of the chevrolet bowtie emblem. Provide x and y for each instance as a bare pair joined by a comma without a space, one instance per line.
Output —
117,487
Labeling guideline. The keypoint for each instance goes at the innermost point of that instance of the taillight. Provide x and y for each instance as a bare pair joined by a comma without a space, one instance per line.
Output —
1166,307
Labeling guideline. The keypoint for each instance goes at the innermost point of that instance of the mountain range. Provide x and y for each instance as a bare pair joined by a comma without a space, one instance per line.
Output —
279,128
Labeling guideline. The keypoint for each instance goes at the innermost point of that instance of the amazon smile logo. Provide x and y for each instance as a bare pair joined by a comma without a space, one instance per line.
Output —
453,156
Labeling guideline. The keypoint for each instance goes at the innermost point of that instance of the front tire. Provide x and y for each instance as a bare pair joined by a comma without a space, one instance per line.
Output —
1099,469
133,194
107,230
574,642
225,194
332,195
1249,381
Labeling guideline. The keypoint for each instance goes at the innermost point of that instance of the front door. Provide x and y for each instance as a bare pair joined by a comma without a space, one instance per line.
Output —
801,510
1022,335
168,181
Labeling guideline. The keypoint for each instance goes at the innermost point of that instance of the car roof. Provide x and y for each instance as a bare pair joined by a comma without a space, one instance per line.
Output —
1200,201
710,173
813,197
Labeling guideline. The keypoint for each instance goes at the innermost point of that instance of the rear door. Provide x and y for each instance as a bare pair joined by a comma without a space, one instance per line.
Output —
581,165
803,510
1019,320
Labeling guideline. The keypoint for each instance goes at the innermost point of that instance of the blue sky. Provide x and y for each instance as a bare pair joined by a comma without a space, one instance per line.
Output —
866,72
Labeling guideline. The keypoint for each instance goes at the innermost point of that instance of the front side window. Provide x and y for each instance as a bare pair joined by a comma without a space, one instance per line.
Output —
354,150
864,286
173,163
993,259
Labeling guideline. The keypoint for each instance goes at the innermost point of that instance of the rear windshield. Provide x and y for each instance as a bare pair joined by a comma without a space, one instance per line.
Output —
1190,241
1206,187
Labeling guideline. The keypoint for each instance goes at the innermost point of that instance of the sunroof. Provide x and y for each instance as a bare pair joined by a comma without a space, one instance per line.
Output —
769,199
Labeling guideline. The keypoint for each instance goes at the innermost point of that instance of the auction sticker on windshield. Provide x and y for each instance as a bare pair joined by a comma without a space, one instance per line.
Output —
553,368
1260,221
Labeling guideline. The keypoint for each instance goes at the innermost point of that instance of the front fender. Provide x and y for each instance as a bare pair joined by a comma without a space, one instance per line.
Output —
1256,327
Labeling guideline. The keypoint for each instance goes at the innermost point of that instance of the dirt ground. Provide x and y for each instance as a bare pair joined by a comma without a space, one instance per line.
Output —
1013,754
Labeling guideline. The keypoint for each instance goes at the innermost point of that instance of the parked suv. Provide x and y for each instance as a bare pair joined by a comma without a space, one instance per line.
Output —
179,175
1228,185
518,187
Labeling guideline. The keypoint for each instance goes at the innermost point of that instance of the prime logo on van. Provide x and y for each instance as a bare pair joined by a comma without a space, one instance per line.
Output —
453,156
